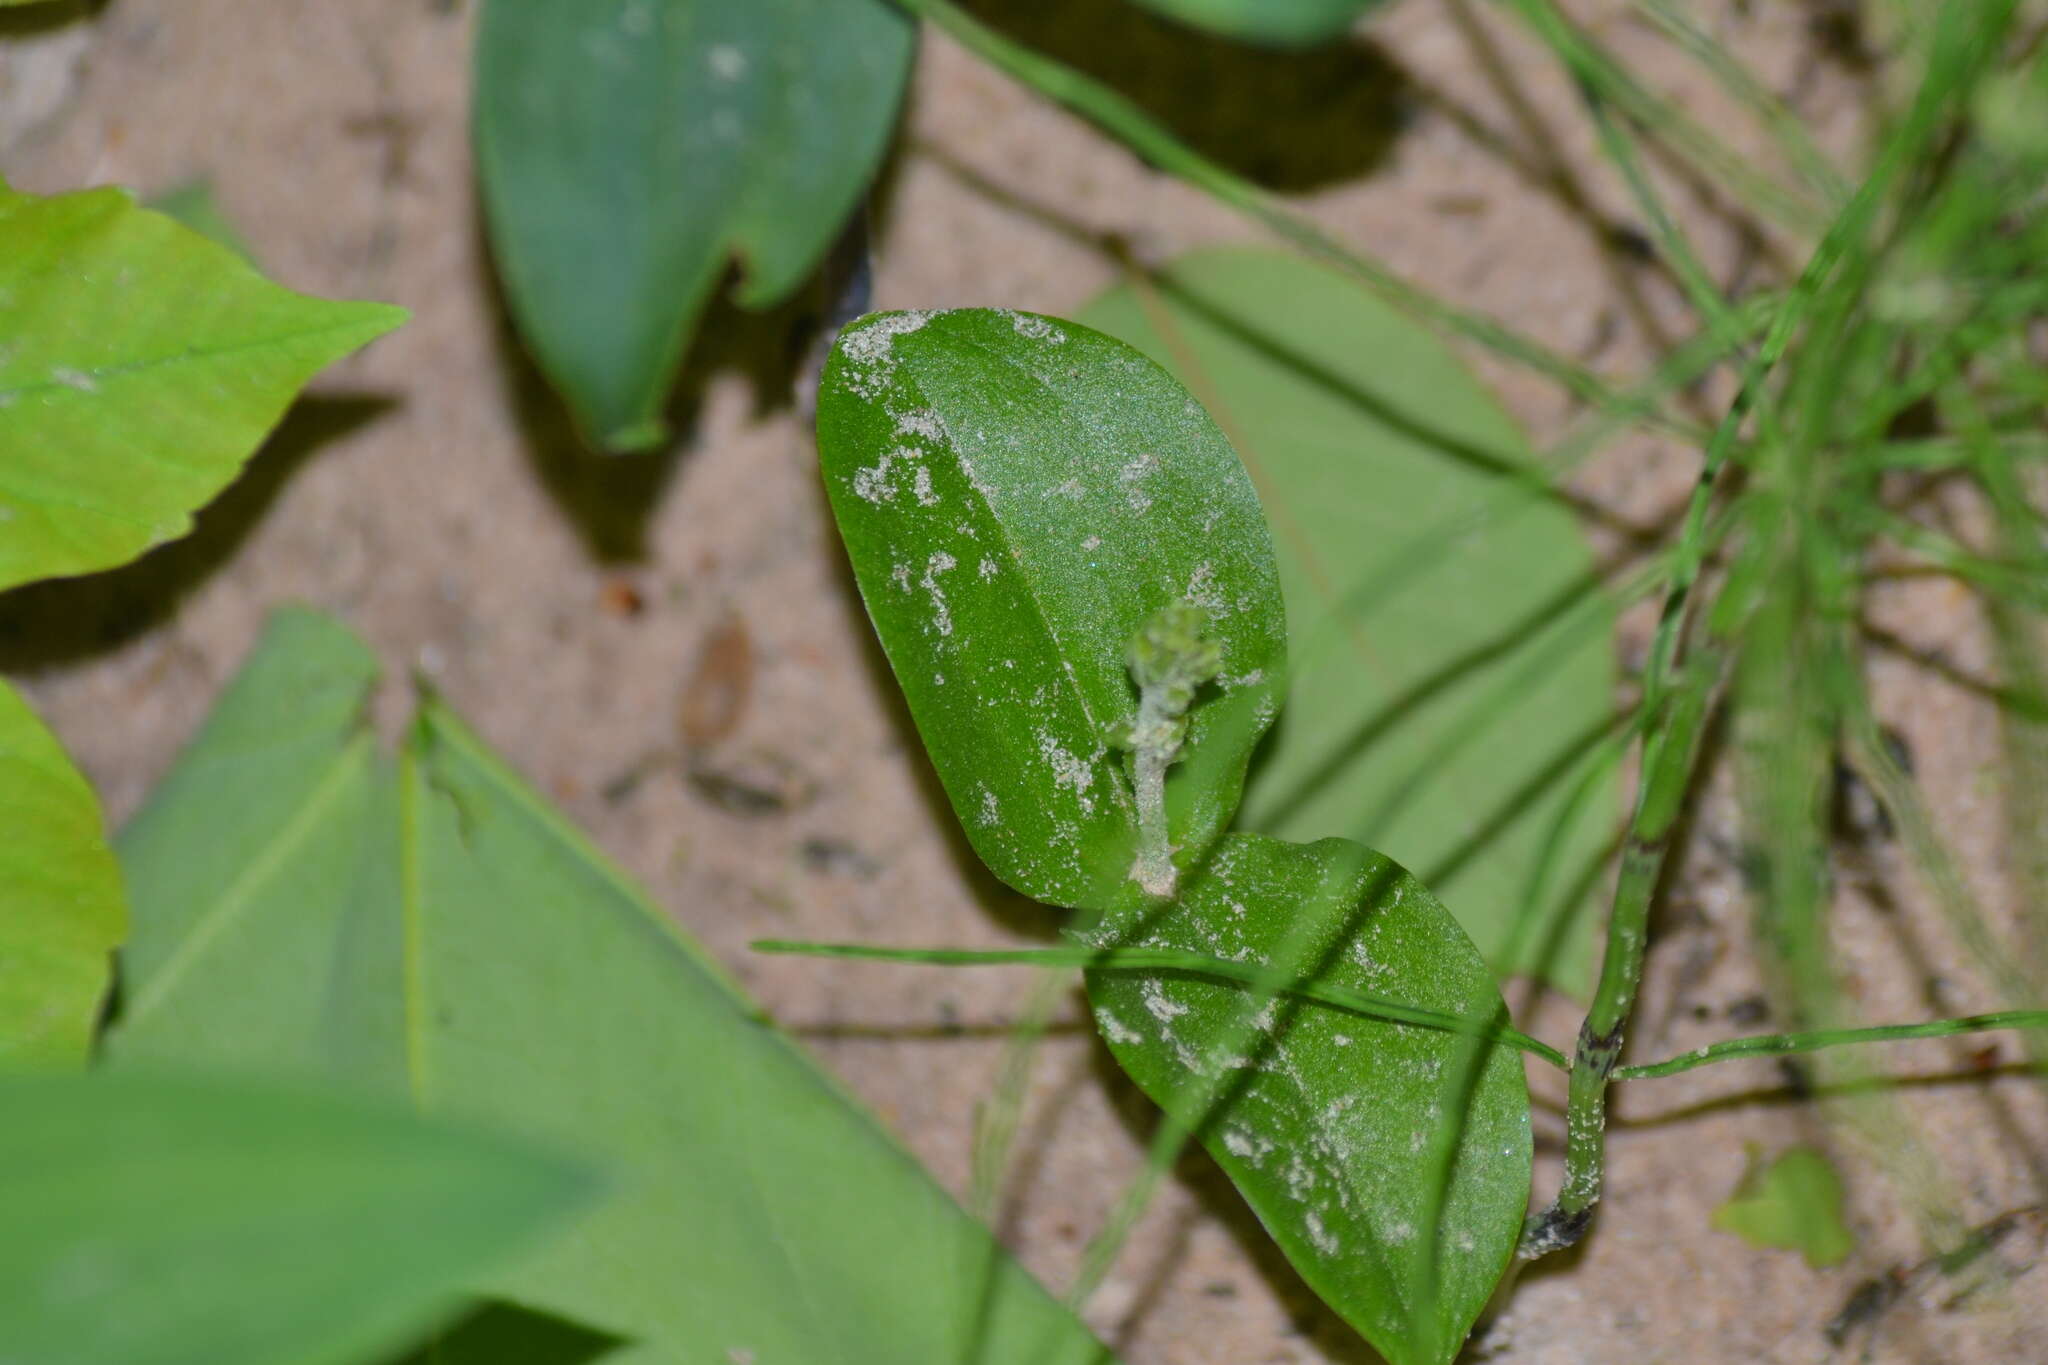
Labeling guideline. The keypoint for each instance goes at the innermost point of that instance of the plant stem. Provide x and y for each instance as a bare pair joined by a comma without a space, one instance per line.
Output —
1793,138
1785,1044
1597,71
1154,960
1669,753
1675,715
1530,920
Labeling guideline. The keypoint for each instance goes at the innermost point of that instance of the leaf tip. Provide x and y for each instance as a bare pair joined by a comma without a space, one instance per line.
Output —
636,437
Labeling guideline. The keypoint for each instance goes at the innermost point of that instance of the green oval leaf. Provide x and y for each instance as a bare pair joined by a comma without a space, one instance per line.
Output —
62,909
158,1221
140,366
628,148
1452,652
441,932
1280,23
1325,1119
1019,497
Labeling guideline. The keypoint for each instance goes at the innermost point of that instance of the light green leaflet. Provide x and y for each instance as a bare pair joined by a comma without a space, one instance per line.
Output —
62,912
1019,497
1282,23
160,1221
1793,1202
140,365
437,931
1124,587
629,149
1451,650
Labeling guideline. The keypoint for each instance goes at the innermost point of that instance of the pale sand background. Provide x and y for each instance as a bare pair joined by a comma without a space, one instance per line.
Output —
430,496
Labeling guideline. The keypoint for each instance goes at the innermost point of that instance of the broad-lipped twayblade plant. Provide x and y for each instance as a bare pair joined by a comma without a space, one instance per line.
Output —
1073,581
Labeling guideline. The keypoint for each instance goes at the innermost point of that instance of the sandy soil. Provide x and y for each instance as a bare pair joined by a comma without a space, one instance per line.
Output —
430,494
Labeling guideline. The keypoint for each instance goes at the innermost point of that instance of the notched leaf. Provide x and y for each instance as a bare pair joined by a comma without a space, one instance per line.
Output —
629,149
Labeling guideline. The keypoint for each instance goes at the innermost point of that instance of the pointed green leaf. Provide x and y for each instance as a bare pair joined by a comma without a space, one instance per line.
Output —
62,910
1019,497
263,876
499,970
1451,653
1324,1119
1281,23
140,365
629,149
756,1193
1794,1202
153,1221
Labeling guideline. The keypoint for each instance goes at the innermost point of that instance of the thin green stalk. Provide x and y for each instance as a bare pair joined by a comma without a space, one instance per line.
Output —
1677,249
1598,69
996,1128
1946,452
1787,1044
1670,750
1155,960
1491,707
1180,1123
2016,635
1943,552
1151,960
1149,138
1470,1061
1896,792
1685,366
1739,81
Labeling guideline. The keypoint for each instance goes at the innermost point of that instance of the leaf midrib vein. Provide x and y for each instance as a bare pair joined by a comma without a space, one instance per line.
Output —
241,892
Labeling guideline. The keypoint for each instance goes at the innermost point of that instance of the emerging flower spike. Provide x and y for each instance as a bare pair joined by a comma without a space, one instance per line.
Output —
1169,658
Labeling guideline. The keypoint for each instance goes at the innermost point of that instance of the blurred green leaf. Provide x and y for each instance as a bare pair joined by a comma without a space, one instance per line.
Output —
629,149
303,910
1280,23
1018,497
263,879
1451,654
1325,1120
154,1221
62,910
1793,1203
141,367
